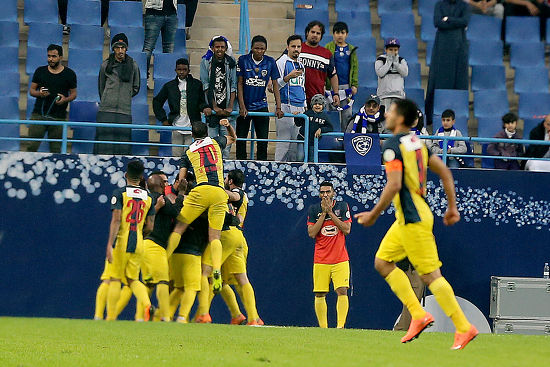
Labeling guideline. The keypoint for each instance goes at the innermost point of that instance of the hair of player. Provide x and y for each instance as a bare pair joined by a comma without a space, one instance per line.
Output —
157,172
294,37
258,38
327,184
219,39
407,109
182,61
340,27
237,176
54,47
314,23
199,130
135,169
448,113
508,118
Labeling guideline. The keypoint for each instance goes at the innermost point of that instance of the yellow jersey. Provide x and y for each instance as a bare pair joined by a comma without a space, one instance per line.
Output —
204,158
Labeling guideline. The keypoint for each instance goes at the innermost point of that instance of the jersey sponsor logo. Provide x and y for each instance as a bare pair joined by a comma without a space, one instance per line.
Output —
313,61
299,81
329,231
134,192
362,144
389,155
255,82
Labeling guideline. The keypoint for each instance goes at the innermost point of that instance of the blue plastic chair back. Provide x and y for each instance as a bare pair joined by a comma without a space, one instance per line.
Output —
488,77
456,100
484,28
10,59
416,95
533,105
9,10
85,62
527,54
9,34
125,14
9,109
414,79
490,103
394,6
400,25
10,85
86,37
522,29
84,12
485,52
44,34
40,11
531,79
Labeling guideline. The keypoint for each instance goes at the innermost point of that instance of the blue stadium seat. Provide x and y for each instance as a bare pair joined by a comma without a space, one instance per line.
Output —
409,49
488,77
9,11
358,21
179,43
10,85
488,126
87,87
165,137
486,163
140,113
41,11
140,136
461,123
427,31
125,14
533,105
426,10
522,29
367,76
36,56
414,79
485,52
43,34
456,100
141,97
527,54
304,16
9,109
181,16
531,79
85,62
394,6
164,65
141,60
334,117
10,59
351,5
362,95
366,47
83,111
9,34
529,124
84,12
416,95
135,35
400,25
490,103
86,37
484,28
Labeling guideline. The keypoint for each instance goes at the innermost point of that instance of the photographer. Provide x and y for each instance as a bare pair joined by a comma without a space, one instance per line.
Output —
53,86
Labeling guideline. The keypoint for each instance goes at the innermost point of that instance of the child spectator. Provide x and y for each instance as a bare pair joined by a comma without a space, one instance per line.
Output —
319,123
418,128
347,67
369,119
392,70
509,124
453,147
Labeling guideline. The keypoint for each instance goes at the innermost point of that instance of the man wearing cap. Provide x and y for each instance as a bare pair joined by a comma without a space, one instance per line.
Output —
392,70
369,119
118,83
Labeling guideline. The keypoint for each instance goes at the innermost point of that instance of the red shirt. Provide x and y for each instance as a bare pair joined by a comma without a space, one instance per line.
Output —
330,242
319,65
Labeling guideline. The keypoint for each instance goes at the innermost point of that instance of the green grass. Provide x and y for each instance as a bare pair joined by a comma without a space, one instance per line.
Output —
63,342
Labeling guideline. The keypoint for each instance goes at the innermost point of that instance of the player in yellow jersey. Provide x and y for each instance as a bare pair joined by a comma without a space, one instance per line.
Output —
204,157
411,235
132,215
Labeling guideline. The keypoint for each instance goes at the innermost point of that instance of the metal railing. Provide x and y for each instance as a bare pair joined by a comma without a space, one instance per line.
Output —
244,28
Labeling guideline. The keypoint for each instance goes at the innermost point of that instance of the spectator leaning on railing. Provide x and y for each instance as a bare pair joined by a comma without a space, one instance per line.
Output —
539,132
452,146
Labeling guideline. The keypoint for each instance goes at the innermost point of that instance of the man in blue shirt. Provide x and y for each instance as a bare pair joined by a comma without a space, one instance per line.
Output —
254,72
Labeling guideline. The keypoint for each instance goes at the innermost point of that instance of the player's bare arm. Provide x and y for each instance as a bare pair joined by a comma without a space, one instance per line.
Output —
182,174
231,135
438,167
345,228
313,229
240,95
149,224
393,186
116,218
160,203
233,196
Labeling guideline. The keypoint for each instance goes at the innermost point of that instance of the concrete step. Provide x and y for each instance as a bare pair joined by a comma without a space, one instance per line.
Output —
233,23
255,10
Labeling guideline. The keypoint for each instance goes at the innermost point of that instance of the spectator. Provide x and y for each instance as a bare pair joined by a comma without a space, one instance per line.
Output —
418,128
53,86
509,124
186,102
160,17
487,7
535,8
347,67
118,83
219,82
453,147
449,62
319,123
319,63
293,97
190,10
369,119
539,132
254,71
392,70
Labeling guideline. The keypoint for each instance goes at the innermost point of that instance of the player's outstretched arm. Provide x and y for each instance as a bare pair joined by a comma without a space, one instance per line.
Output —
393,185
116,218
231,135
438,167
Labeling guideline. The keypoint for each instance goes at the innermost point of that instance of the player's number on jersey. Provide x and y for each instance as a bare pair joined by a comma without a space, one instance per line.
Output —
209,157
136,211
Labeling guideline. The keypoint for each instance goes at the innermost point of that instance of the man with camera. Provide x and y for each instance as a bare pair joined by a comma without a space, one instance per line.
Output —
53,86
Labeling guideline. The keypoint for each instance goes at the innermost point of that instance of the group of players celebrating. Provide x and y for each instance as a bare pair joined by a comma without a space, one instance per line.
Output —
185,238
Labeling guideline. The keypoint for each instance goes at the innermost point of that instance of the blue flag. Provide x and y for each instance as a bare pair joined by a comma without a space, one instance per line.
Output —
363,154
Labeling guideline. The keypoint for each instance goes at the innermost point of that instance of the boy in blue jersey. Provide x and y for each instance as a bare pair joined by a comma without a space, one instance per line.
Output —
254,71
293,97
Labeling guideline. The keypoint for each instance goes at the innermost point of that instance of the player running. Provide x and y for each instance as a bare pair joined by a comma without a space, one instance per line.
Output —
411,235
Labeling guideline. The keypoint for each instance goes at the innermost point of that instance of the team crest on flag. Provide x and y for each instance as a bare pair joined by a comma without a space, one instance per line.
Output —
362,144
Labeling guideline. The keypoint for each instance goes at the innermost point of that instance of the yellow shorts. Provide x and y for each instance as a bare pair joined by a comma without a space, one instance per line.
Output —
108,270
125,264
324,273
235,264
230,239
415,241
205,197
185,271
155,263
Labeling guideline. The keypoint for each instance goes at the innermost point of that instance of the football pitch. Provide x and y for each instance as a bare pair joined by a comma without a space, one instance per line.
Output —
64,342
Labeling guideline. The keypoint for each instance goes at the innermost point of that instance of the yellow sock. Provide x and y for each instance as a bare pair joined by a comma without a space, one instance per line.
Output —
163,297
342,306
175,298
445,296
140,291
204,296
112,298
401,286
230,300
125,295
249,300
173,242
186,303
216,251
101,300
321,311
